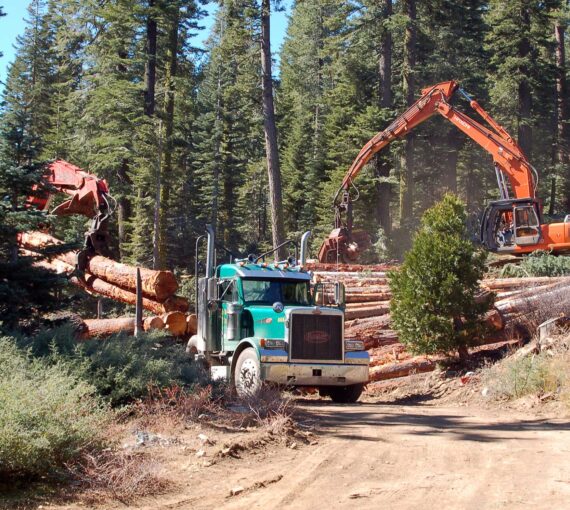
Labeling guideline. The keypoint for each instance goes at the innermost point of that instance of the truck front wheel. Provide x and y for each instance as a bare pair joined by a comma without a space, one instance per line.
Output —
345,394
247,374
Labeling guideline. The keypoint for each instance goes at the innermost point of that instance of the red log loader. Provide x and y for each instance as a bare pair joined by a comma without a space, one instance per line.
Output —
89,197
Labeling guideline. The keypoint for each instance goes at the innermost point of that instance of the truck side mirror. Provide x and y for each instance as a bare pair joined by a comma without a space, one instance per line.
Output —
212,290
339,295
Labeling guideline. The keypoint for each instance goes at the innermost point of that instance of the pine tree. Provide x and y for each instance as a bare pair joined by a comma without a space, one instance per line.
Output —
25,291
230,129
301,103
522,70
434,307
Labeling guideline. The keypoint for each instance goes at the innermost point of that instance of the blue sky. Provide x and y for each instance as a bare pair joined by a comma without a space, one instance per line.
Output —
13,25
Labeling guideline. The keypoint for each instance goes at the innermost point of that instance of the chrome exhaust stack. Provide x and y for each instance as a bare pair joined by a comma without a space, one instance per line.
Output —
304,247
211,250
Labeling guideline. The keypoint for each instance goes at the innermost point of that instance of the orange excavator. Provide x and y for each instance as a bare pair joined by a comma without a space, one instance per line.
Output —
511,225
89,197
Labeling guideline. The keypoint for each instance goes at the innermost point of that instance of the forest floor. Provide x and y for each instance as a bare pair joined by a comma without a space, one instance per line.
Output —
399,448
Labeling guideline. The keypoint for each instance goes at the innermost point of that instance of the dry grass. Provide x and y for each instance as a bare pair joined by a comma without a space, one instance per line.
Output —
123,475
167,408
546,374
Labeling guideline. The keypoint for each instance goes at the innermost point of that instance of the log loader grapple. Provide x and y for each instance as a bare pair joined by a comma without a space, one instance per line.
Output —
89,197
512,224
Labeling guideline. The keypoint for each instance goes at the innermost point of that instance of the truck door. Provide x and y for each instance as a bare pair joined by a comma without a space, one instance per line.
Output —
526,225
231,314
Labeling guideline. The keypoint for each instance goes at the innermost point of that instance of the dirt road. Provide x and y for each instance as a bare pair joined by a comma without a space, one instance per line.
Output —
397,457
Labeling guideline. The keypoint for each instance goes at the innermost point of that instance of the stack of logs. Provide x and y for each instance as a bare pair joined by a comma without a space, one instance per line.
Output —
368,312
116,281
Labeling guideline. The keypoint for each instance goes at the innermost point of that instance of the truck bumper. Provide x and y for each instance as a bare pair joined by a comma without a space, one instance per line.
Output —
314,374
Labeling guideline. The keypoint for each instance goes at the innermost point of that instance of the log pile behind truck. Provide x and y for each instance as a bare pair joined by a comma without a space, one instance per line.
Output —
108,278
368,298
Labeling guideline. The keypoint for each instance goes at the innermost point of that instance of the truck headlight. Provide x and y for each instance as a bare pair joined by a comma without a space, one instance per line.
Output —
353,345
272,343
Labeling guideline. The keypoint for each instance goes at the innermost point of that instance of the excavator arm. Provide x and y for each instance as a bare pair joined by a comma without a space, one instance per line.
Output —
89,197
511,165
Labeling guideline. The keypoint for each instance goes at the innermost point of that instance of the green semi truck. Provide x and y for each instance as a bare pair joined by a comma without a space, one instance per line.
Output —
266,322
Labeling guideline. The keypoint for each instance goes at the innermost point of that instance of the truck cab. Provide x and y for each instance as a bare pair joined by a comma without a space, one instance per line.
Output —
266,322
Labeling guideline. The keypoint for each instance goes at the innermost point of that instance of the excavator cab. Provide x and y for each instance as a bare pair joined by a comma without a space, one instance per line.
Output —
507,224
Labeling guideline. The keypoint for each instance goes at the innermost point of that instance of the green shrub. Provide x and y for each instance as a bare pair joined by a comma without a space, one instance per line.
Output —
433,306
47,416
539,263
121,367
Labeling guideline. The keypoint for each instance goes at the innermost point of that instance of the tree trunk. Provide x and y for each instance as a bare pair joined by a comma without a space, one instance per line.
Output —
166,166
150,65
385,60
123,205
382,163
270,129
562,110
453,145
408,86
524,90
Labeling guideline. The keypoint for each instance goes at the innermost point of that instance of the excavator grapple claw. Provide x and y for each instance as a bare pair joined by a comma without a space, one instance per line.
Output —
342,247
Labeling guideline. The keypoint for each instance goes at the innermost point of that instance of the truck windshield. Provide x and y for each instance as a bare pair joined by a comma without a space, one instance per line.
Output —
270,291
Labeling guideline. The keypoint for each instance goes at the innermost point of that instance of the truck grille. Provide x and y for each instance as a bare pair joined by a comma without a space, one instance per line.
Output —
316,337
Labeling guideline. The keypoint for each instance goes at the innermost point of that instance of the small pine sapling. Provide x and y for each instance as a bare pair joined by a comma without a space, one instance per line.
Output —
434,306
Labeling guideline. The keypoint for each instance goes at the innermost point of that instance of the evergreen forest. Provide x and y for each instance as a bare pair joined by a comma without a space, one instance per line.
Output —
119,88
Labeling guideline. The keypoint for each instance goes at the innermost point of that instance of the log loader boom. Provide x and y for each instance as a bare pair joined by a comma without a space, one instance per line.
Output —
511,224
89,197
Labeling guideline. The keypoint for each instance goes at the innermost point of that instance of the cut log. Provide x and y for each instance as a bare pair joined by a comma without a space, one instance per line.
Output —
362,297
176,303
392,371
367,297
99,328
37,240
154,322
157,285
368,311
191,324
94,285
57,266
522,283
175,323
367,289
349,268
494,320
529,303
364,326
